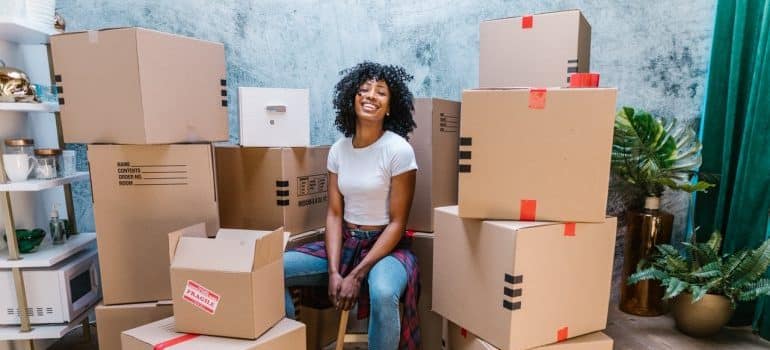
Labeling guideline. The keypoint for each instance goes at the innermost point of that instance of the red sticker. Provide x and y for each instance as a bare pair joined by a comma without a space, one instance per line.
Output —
201,297
174,341
526,22
464,332
537,98
562,334
527,210
584,80
410,233
569,229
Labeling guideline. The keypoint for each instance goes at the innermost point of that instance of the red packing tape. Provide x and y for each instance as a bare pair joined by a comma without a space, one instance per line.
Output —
526,22
569,229
527,210
562,334
584,80
464,332
537,98
174,341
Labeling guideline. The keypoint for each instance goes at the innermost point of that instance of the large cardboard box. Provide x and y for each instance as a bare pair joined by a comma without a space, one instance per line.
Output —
265,188
538,50
139,86
140,194
231,286
113,320
435,146
430,322
272,117
285,335
322,325
519,285
461,339
530,154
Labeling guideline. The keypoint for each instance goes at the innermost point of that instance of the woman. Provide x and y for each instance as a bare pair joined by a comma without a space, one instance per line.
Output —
365,257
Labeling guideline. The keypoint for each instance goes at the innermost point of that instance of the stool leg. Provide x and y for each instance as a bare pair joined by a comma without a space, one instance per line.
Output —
342,330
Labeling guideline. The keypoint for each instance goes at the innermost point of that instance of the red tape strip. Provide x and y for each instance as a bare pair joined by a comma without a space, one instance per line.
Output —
569,229
527,210
584,80
526,22
562,334
410,233
537,98
464,332
174,341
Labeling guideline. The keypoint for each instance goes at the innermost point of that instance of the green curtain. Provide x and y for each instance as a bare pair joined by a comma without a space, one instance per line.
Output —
736,132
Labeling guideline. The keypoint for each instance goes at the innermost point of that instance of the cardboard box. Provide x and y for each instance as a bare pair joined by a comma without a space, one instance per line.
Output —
520,285
322,325
265,188
286,334
231,286
139,86
536,154
461,339
539,50
305,238
435,146
271,117
113,320
430,322
140,194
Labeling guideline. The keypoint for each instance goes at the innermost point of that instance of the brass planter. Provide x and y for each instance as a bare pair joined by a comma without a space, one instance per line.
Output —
645,229
704,318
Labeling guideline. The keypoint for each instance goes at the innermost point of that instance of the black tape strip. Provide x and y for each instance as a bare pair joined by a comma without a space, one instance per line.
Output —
568,78
464,168
224,103
511,292
282,202
223,82
572,69
514,279
464,155
61,100
572,61
57,77
282,193
280,183
224,92
466,141
60,89
511,306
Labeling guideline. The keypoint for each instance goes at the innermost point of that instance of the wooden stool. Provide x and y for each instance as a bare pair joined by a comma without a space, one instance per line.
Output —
342,333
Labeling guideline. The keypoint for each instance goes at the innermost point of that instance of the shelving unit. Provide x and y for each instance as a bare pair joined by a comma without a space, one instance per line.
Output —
53,331
48,254
29,107
21,33
39,185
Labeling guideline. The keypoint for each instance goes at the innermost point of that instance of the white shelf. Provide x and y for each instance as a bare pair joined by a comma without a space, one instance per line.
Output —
21,33
54,331
49,254
39,185
29,107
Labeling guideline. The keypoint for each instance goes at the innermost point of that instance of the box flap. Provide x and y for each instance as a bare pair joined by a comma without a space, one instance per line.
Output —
214,254
197,230
268,247
534,14
93,30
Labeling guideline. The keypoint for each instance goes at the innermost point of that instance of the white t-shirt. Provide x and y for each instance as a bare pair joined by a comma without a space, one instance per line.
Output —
364,174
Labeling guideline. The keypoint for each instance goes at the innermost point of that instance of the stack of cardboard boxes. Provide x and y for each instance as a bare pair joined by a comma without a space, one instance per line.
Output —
525,258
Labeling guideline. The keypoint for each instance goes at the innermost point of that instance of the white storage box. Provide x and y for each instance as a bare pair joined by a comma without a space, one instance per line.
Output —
272,117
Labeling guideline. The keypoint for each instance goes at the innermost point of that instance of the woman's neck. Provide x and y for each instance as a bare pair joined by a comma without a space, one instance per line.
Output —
366,135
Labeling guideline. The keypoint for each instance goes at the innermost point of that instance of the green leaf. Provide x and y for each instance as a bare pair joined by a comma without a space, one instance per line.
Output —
754,266
674,287
715,242
647,274
755,290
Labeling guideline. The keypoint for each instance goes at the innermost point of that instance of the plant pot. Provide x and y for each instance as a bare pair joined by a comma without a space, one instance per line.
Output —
645,229
704,318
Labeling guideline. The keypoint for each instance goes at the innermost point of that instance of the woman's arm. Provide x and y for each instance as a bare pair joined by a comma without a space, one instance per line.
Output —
401,194
334,235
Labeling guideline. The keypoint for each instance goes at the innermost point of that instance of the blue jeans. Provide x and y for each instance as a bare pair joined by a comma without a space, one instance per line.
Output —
387,281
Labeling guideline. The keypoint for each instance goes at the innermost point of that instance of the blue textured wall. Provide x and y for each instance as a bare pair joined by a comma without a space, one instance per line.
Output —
655,52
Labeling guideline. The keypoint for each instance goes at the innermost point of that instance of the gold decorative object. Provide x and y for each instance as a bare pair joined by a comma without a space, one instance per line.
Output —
704,318
58,22
15,85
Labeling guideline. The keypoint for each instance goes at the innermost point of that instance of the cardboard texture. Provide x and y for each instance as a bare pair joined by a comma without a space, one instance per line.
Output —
305,238
435,146
536,154
520,285
271,117
285,335
140,194
231,286
322,325
133,86
430,322
539,50
113,320
461,339
265,188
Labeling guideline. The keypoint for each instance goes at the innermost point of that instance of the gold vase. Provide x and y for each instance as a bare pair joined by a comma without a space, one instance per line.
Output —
704,318
645,229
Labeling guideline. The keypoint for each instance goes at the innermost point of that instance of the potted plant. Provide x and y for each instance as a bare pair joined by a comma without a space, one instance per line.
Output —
706,285
651,155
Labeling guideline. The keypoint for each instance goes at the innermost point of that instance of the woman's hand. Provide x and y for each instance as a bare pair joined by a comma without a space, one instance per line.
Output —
335,284
348,294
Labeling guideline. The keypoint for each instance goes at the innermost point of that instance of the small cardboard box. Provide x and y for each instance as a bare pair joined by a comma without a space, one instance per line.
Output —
532,154
271,117
285,335
231,286
322,325
113,320
435,146
264,188
538,50
139,86
520,285
430,322
461,339
140,194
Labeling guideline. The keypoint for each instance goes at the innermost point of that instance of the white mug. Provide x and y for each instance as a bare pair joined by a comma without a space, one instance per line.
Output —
18,166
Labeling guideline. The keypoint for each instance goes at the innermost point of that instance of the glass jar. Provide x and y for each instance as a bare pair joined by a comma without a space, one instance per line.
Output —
20,146
47,163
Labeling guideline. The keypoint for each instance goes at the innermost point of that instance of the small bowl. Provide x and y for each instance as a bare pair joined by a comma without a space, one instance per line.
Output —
28,240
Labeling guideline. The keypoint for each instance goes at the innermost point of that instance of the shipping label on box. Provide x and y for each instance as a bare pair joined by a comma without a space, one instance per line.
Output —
532,283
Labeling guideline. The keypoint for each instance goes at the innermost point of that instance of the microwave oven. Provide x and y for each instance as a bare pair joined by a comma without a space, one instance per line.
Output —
56,294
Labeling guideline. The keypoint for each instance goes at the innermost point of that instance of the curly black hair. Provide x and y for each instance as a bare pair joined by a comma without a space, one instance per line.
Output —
401,100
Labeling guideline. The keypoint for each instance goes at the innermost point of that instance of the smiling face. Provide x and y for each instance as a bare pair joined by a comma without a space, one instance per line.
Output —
372,101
